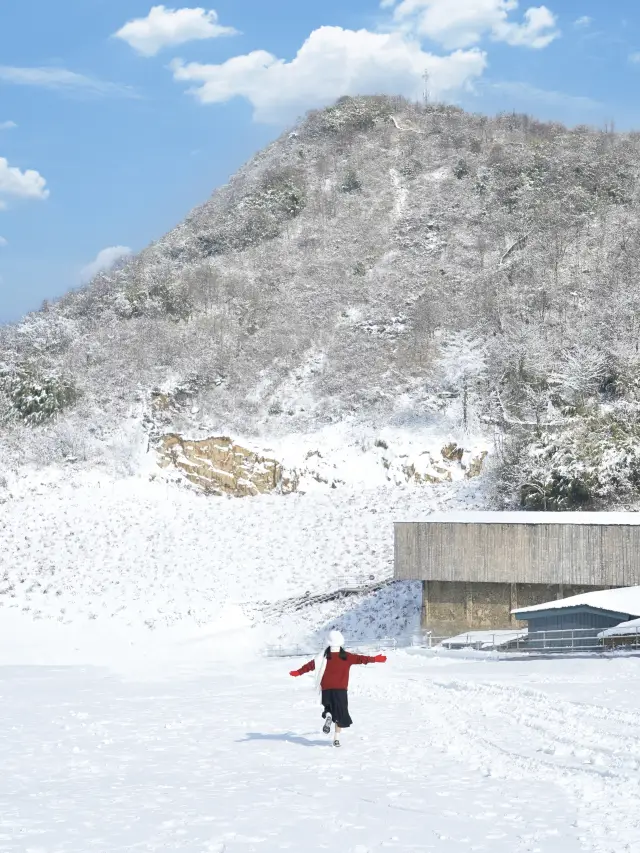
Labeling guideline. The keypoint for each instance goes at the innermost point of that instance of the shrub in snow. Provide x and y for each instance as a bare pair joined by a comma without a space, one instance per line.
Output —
256,216
155,293
483,181
411,168
35,397
351,182
258,228
556,493
353,114
461,169
281,195
212,244
594,459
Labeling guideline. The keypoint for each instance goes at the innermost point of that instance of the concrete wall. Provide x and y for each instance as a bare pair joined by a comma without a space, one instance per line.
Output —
453,607
589,555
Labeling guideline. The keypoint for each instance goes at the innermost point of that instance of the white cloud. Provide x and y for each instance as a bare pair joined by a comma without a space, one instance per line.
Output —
13,182
3,241
463,23
634,57
105,260
584,21
62,79
332,62
8,125
170,27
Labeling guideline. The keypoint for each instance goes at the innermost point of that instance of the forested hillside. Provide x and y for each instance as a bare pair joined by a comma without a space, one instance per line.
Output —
384,263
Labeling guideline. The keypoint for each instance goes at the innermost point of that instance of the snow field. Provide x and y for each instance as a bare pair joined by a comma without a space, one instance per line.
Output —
448,753
143,552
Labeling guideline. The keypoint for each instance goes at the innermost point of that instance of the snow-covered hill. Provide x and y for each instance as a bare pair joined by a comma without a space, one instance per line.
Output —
393,308
387,264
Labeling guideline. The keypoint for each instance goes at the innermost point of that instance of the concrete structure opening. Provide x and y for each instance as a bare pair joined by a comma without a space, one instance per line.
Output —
476,568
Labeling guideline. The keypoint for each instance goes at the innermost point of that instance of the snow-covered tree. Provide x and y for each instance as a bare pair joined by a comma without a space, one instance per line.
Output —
463,366
34,396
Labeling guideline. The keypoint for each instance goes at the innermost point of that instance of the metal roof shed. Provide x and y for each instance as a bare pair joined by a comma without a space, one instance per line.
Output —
578,620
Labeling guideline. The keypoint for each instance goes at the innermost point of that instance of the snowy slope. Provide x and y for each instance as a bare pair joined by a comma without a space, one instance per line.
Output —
447,753
141,552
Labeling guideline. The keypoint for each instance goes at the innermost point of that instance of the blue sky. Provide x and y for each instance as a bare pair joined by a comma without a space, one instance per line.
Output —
115,120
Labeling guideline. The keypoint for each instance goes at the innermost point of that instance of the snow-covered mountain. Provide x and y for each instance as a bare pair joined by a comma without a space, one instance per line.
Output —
388,302
384,264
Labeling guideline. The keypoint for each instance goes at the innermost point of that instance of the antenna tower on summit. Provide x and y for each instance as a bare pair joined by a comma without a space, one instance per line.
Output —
425,91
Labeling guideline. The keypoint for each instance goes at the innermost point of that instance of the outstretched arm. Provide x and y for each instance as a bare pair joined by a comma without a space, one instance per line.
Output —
360,659
308,667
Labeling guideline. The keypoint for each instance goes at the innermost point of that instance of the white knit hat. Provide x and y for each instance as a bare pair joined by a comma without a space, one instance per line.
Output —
336,640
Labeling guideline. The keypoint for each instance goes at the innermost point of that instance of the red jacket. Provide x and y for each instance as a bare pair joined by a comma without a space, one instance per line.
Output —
336,674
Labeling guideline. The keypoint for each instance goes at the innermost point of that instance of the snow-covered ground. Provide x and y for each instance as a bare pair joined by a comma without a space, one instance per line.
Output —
135,552
138,714
210,751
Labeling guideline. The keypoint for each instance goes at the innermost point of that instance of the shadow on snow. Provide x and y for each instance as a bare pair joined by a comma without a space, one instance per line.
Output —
285,737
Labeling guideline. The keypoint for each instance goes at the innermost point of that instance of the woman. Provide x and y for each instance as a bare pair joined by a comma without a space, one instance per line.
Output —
332,679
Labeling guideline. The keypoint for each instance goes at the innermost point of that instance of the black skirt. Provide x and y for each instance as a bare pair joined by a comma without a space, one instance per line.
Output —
336,703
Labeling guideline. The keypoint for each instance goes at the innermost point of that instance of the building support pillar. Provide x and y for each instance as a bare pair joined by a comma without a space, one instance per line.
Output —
469,604
513,602
424,610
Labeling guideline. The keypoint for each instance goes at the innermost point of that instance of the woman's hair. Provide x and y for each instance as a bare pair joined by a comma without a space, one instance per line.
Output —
342,655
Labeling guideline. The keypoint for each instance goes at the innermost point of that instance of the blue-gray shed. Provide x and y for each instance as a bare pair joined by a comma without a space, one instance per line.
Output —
576,621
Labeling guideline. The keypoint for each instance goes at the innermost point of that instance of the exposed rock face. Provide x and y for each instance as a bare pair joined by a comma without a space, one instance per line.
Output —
220,467
437,475
452,452
457,462
476,465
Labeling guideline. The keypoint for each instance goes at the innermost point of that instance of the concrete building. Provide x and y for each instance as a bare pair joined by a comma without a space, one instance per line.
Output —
577,621
477,568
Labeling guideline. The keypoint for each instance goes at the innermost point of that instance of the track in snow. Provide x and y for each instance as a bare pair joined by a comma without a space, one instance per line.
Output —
525,734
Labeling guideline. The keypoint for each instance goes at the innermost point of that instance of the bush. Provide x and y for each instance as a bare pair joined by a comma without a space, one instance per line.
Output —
281,195
356,114
461,169
351,183
36,397
161,297
209,245
411,168
559,492
594,459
